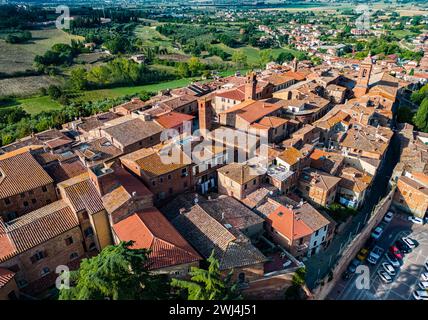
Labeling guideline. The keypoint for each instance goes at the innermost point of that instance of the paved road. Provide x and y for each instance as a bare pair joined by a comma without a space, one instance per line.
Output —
320,264
408,275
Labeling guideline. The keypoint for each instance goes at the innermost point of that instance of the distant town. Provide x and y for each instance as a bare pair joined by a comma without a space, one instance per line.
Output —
273,151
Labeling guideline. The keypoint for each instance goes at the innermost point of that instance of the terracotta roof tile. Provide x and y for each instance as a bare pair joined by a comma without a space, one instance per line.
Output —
21,173
173,119
37,227
5,276
151,230
82,194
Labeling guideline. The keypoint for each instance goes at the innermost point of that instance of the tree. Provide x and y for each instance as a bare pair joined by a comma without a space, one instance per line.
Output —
208,284
117,273
54,92
284,57
195,66
78,79
265,56
421,117
239,57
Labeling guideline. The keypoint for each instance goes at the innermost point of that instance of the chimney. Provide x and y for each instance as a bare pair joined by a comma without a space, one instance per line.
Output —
102,176
251,86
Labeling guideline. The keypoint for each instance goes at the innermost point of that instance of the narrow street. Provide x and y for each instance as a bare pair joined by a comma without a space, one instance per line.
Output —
319,266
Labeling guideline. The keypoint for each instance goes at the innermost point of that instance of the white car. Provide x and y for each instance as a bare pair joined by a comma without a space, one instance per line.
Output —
286,263
423,285
410,242
416,220
393,260
388,217
385,277
420,295
389,268
377,232
424,276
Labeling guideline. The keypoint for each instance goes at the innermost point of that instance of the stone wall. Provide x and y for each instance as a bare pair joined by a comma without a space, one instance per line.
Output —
350,251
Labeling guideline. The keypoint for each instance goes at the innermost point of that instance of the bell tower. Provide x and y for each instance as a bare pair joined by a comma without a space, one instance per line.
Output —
362,84
251,86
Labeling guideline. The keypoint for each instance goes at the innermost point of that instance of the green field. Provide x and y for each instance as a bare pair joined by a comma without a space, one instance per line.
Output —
19,57
39,104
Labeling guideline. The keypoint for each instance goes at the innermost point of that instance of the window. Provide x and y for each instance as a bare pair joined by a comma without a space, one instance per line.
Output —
69,241
22,195
74,256
315,243
241,277
316,233
169,177
25,203
245,187
44,189
85,215
7,201
254,182
11,216
45,271
92,246
22,283
33,201
39,255
160,180
88,232
153,183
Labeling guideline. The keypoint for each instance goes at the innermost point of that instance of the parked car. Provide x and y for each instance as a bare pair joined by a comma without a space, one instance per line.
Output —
424,276
375,255
426,265
385,277
416,220
353,265
410,242
393,260
388,217
389,268
402,246
423,285
377,232
396,252
420,295
362,255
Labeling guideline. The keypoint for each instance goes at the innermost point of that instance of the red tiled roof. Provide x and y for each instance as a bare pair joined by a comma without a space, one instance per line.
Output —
35,228
82,194
173,119
5,276
21,173
151,230
284,221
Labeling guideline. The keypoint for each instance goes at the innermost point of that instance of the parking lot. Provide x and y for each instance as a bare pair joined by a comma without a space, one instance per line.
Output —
408,275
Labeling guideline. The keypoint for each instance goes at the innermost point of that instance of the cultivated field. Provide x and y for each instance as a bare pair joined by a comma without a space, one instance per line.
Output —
25,86
19,57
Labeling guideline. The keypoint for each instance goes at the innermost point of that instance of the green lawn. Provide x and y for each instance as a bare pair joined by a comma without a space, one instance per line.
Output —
38,104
